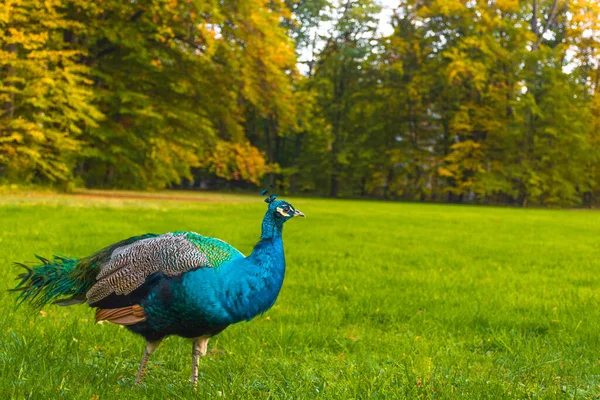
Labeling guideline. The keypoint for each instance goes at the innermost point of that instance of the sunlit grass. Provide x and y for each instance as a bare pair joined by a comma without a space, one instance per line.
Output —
380,300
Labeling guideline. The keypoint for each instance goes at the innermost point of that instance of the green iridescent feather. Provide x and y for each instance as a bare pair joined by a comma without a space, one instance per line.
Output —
41,284
217,251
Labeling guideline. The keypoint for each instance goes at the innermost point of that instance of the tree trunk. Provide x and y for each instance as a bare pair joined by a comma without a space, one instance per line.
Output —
267,129
335,185
534,21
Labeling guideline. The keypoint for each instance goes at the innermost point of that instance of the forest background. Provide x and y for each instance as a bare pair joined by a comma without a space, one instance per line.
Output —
494,102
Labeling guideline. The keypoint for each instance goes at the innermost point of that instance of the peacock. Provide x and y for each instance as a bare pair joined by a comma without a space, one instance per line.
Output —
177,283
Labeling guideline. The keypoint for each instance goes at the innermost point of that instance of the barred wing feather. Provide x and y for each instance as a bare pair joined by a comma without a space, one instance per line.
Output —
171,253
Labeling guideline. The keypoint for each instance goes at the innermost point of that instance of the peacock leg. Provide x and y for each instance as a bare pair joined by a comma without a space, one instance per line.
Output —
150,348
198,350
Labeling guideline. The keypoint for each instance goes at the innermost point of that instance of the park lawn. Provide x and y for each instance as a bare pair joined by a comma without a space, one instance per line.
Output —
380,300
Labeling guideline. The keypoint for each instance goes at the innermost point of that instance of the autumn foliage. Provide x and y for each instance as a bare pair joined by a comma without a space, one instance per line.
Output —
466,101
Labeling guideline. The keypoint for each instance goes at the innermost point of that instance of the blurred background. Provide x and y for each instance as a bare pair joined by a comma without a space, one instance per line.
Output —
494,102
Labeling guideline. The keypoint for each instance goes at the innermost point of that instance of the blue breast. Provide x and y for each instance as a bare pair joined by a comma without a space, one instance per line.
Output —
235,291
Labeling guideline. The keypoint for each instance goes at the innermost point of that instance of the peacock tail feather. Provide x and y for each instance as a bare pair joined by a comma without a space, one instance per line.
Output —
42,284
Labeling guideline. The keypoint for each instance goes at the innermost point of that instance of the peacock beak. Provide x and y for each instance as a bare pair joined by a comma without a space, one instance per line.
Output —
298,213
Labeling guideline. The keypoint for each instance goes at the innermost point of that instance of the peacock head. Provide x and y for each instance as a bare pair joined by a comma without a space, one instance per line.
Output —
281,209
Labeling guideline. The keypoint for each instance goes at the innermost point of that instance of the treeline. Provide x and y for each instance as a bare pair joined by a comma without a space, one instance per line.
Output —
467,101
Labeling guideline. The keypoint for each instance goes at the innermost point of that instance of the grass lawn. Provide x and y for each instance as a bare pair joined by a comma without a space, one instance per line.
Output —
381,300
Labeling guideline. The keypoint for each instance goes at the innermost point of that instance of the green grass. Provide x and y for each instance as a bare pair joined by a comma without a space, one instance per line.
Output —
380,300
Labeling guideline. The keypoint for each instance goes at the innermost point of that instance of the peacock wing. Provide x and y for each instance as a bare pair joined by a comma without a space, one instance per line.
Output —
171,254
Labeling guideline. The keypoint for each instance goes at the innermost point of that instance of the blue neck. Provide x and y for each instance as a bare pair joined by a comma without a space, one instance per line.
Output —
263,272
271,227
268,254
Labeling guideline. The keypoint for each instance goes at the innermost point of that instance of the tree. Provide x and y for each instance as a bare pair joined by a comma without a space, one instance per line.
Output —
45,91
338,80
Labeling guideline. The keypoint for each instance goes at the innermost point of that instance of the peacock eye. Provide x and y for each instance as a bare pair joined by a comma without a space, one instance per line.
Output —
286,209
